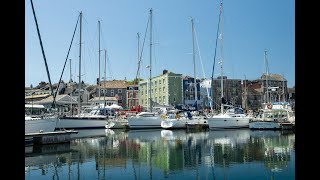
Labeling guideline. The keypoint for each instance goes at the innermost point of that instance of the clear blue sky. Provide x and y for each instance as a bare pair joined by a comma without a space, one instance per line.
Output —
249,27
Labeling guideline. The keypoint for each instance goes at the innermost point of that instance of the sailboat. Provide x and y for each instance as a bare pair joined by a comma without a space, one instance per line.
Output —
232,117
94,119
118,122
276,115
147,119
37,119
182,119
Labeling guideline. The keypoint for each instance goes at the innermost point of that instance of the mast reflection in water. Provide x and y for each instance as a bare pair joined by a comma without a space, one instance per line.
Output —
166,154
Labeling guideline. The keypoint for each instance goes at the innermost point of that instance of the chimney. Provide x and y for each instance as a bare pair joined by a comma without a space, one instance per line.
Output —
165,71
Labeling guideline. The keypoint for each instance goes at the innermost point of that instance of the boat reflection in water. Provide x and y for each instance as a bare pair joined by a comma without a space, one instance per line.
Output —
173,154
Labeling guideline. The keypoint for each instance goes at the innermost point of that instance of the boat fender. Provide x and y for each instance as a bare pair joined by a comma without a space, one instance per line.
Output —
269,106
163,117
177,116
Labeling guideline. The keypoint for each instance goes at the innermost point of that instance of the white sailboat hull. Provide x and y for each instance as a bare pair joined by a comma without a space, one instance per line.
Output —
116,124
35,125
81,123
174,123
144,122
227,122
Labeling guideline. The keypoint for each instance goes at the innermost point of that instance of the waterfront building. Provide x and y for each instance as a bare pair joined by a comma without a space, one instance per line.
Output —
114,88
166,89
277,87
132,96
258,91
103,100
63,102
188,89
42,91
232,91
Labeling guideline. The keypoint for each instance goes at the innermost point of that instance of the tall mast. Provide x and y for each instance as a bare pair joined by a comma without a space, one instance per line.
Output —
267,74
70,82
245,91
215,53
42,50
194,67
104,84
99,64
138,36
221,56
138,75
150,60
70,71
283,93
79,86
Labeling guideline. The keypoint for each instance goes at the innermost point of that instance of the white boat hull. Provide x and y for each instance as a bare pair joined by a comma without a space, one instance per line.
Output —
174,124
35,125
81,123
116,124
228,122
144,122
197,123
264,125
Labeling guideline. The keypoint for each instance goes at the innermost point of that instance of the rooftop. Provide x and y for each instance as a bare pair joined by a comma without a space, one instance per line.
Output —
114,84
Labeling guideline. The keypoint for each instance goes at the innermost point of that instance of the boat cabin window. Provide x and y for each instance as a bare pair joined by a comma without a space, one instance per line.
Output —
93,112
239,111
102,112
35,111
268,115
106,112
171,116
283,114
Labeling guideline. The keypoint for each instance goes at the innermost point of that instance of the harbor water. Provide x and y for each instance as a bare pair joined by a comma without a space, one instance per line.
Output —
165,154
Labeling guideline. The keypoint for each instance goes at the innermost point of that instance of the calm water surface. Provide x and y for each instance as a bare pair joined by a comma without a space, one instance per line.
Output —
166,154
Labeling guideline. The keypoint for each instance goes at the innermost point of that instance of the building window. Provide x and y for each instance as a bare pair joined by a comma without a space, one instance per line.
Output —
119,90
163,89
155,83
112,92
120,97
155,99
141,101
159,90
120,101
160,82
164,82
164,99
